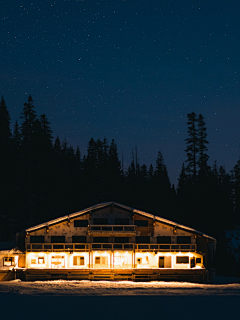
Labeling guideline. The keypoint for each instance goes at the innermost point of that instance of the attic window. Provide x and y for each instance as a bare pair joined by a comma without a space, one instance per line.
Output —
58,239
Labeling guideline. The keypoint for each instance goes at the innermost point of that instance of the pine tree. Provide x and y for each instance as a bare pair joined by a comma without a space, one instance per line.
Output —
202,144
192,144
5,132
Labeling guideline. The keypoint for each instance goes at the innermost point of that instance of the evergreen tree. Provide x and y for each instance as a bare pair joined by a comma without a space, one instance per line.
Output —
202,145
29,118
192,144
5,132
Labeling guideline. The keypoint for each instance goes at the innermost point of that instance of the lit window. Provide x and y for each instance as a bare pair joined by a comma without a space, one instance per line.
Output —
101,260
78,261
8,261
182,259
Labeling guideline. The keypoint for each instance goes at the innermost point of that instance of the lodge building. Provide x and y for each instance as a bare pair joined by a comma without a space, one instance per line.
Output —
109,241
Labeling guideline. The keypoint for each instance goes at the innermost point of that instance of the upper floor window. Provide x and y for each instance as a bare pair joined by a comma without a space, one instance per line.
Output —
81,223
141,223
183,240
36,239
58,239
100,221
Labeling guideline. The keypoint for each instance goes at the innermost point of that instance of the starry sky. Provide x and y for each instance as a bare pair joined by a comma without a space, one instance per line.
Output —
127,70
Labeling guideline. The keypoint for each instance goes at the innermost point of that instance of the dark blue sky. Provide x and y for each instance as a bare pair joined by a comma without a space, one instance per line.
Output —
129,70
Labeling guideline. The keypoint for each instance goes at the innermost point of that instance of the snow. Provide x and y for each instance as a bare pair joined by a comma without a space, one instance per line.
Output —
105,300
114,288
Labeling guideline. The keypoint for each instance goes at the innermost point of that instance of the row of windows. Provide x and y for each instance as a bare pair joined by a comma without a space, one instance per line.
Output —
82,239
164,262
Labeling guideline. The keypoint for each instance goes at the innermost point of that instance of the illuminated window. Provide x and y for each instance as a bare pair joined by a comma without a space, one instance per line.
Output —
78,261
8,261
183,260
33,261
41,260
161,262
57,261
97,260
101,260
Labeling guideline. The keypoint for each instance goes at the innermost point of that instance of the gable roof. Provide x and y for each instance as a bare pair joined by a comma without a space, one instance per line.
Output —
127,208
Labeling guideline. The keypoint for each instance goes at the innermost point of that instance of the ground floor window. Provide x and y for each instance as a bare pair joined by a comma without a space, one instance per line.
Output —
38,260
182,260
101,260
58,262
78,261
8,261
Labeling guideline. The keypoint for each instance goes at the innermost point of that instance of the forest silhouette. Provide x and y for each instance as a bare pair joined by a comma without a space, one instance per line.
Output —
42,179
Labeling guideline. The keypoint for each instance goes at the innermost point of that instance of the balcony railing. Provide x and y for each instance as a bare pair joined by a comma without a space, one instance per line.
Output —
165,247
112,229
85,247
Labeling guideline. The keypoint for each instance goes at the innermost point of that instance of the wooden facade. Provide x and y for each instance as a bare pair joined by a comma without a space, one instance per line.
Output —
109,241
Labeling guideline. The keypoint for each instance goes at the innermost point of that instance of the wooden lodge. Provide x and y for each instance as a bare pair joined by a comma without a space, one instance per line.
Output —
109,241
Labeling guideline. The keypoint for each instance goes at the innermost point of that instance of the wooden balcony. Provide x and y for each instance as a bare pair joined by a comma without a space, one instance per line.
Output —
86,247
126,230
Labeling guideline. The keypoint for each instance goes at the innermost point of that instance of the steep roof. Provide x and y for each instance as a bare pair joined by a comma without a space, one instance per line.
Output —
107,204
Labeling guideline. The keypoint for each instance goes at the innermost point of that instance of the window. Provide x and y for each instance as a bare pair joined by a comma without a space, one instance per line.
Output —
37,239
8,261
141,223
58,239
101,260
57,261
164,239
143,239
78,261
78,239
100,221
139,260
182,259
38,260
184,240
81,223
198,260
119,221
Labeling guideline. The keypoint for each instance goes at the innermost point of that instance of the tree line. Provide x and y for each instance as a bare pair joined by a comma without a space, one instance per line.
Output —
43,178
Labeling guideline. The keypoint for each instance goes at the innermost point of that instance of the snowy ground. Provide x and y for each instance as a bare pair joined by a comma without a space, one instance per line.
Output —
114,288
119,300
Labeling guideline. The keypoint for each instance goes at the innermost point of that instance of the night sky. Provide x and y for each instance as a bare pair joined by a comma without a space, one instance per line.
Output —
127,70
